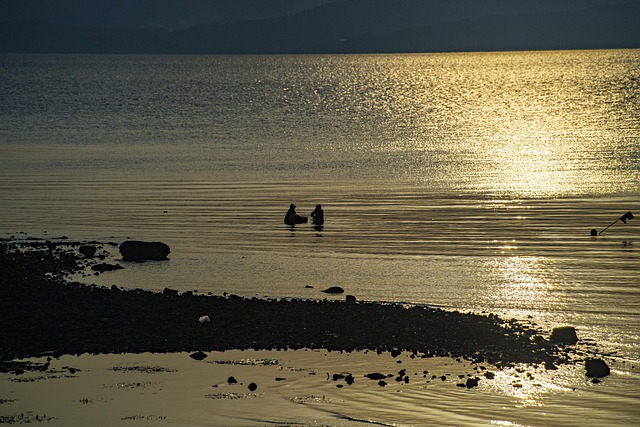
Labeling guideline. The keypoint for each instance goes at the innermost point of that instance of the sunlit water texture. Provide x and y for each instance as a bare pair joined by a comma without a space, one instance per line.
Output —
468,181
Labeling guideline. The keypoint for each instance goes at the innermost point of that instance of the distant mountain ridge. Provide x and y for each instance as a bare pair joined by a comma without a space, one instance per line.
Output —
361,26
166,14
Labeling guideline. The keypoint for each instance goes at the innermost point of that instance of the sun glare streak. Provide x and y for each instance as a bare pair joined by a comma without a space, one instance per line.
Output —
526,283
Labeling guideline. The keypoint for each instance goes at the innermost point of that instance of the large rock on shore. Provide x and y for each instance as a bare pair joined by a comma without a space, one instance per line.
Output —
133,250
596,368
564,335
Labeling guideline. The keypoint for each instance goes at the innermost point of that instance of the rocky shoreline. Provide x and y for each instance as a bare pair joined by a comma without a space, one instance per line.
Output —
44,313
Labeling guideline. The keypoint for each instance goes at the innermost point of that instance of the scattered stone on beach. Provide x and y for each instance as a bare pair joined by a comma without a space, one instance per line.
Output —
350,298
382,383
337,377
596,368
489,375
232,380
253,387
198,355
564,335
134,250
169,292
334,290
204,319
88,251
376,376
472,382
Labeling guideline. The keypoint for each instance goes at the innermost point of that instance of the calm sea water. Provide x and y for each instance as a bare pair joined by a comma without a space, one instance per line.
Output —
468,181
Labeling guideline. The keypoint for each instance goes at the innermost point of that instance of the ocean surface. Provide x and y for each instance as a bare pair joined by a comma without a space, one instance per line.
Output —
468,181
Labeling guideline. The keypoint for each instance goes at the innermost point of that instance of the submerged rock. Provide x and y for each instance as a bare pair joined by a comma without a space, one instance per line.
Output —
134,250
596,368
334,290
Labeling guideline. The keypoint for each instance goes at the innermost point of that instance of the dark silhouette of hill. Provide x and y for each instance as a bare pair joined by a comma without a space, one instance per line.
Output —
167,14
358,26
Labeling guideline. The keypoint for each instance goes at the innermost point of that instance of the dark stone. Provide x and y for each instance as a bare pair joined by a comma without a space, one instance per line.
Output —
133,250
564,335
253,387
88,251
106,267
382,383
232,380
489,375
472,382
376,376
337,377
395,352
596,368
350,298
334,290
198,355
169,292
349,379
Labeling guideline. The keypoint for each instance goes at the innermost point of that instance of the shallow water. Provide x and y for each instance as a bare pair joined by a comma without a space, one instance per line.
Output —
467,181
296,388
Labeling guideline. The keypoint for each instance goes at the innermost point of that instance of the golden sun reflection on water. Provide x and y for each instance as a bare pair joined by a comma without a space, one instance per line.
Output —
530,386
526,283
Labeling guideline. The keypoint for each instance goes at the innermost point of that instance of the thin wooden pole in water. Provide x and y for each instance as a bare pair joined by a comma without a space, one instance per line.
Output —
623,218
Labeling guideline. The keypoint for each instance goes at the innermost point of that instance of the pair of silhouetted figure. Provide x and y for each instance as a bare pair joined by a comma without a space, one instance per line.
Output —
292,218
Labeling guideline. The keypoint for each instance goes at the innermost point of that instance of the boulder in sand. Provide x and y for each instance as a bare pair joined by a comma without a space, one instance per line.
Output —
133,250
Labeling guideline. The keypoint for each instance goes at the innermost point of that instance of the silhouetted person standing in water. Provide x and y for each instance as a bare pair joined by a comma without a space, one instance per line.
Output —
318,215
